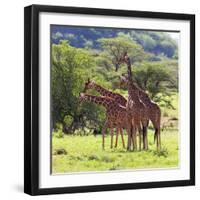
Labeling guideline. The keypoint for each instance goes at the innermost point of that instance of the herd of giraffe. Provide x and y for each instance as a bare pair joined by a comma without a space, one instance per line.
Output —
132,114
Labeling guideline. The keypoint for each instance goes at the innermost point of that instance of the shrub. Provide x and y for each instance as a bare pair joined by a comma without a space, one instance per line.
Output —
162,152
58,134
60,151
93,157
107,159
58,126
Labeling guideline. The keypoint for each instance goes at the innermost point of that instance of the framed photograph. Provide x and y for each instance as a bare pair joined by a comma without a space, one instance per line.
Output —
109,99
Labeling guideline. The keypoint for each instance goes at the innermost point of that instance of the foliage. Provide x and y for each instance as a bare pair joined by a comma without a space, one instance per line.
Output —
158,43
58,134
154,77
60,152
116,47
80,53
72,66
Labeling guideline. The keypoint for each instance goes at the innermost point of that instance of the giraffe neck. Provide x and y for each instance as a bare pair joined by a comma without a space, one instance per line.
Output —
142,94
133,92
102,90
132,89
128,63
129,71
98,100
144,97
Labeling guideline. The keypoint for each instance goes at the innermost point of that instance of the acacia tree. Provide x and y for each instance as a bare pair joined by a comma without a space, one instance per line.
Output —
116,47
154,77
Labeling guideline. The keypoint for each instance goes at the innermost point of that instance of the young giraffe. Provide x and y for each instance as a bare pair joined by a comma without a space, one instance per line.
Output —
116,114
137,111
115,96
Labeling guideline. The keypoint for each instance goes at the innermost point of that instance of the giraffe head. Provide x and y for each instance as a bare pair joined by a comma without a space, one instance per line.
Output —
89,85
124,80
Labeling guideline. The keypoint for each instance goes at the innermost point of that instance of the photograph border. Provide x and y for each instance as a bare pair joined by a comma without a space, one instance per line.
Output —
31,98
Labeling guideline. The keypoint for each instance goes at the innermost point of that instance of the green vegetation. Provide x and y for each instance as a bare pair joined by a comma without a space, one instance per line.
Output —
82,53
158,43
72,66
84,153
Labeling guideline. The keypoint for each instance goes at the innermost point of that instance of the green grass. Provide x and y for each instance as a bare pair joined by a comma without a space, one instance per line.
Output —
84,153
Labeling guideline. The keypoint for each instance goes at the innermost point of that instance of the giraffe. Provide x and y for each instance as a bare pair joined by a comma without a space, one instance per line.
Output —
116,114
137,111
153,111
90,84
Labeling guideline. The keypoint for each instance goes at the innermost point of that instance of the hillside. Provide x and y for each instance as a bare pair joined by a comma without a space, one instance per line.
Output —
158,43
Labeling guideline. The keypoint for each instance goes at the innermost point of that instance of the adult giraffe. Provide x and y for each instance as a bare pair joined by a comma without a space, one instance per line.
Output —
136,109
116,114
90,84
152,109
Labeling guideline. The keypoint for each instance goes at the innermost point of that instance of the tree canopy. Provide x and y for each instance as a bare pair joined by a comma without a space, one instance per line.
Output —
159,43
74,61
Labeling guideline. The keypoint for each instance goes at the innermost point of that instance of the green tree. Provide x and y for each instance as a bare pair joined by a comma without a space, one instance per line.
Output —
116,47
154,77
70,67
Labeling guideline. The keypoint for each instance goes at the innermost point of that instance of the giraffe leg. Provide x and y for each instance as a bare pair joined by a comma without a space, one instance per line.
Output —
159,139
140,138
156,121
117,134
136,125
129,132
146,135
129,139
103,135
143,138
111,142
134,138
122,136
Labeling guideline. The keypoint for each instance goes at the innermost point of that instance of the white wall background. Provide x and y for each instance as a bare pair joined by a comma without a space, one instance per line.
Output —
11,98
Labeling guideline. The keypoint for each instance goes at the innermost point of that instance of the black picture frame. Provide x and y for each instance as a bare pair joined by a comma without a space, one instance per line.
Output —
31,99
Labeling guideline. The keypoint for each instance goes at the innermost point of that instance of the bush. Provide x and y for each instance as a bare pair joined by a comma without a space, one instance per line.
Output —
107,159
115,167
93,157
58,134
60,152
162,152
58,126
84,131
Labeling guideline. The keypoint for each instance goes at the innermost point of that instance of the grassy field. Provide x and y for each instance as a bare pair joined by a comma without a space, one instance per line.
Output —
84,153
